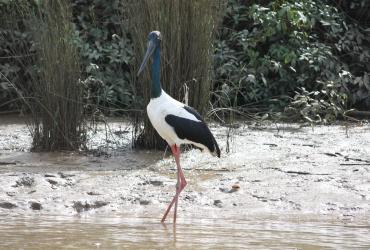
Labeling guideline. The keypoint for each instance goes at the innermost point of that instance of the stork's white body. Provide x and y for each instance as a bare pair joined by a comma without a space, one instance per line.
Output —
158,108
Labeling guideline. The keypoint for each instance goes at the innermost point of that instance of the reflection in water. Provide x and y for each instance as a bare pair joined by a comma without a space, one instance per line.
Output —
44,232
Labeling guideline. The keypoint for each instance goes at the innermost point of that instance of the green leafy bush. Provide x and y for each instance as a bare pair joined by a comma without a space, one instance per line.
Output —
319,106
106,53
269,50
16,51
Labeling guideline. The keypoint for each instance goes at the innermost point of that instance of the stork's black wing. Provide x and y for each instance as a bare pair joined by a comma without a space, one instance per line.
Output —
195,131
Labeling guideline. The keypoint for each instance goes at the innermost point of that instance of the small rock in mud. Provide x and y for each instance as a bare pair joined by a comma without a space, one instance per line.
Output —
259,197
64,176
7,205
98,204
144,202
155,183
93,193
295,205
25,181
232,190
69,183
35,205
80,207
99,153
49,175
190,197
96,161
127,199
7,163
11,194
52,182
217,203
224,190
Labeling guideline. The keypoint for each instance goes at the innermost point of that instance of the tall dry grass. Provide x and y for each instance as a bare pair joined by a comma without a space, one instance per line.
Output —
56,105
187,28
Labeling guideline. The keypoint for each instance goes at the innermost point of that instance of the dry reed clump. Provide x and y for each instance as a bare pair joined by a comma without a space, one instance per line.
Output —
187,29
56,105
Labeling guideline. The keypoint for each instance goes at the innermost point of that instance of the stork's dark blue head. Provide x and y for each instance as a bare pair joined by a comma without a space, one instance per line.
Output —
154,41
155,36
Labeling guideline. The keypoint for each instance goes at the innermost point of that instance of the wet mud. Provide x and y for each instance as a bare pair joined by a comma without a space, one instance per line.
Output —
277,168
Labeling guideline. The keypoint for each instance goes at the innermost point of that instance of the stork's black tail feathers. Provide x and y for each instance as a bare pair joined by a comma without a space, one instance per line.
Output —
212,143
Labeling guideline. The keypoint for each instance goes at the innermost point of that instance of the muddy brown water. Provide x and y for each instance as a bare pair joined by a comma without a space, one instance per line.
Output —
300,188
123,232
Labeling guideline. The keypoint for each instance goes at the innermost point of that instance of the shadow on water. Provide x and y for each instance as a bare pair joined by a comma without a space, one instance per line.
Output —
44,232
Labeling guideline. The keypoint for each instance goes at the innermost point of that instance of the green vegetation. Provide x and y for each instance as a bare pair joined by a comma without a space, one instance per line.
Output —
303,60
106,54
307,58
16,55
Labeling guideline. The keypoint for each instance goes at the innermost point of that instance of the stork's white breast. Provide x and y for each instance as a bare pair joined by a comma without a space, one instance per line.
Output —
158,108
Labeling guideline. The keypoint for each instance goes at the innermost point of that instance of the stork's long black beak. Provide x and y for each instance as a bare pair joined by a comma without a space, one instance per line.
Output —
149,52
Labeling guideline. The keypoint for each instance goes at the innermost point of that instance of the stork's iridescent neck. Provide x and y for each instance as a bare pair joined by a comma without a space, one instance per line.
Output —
156,88
154,51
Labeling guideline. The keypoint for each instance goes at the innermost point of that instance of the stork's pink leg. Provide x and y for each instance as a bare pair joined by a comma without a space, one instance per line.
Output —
181,183
177,192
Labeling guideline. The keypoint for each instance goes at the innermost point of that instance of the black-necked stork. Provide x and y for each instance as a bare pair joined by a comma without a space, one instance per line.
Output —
174,121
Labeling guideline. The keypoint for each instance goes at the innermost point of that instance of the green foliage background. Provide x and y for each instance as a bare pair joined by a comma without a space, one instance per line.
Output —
106,51
306,59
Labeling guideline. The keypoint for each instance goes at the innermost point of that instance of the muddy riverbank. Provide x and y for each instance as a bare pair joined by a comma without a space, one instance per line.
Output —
276,170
